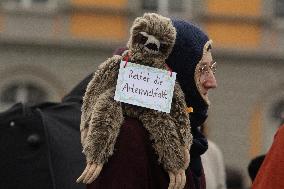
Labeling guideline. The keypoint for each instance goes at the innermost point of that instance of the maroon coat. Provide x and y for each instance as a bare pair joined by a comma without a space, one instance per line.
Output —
134,163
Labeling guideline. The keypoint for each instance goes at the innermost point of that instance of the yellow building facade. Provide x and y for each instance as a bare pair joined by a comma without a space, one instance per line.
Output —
234,23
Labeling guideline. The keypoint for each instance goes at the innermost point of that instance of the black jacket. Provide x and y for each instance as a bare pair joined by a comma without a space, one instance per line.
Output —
40,144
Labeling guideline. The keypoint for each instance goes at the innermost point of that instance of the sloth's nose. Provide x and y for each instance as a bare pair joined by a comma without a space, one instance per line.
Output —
152,46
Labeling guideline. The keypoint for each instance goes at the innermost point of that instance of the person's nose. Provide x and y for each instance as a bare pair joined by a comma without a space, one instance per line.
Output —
210,80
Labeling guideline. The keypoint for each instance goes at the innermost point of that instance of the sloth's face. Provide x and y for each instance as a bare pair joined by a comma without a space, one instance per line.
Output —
149,43
152,37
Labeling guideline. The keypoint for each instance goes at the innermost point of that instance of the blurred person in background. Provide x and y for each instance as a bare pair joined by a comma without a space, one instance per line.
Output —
255,163
254,166
213,165
40,144
271,171
234,178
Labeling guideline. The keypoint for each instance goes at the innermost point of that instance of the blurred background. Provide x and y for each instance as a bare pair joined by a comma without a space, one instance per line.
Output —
48,46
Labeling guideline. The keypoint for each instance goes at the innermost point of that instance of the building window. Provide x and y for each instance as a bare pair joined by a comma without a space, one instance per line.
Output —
25,93
28,3
277,112
176,5
150,5
279,8
163,6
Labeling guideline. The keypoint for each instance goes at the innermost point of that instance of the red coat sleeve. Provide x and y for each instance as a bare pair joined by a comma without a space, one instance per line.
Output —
271,172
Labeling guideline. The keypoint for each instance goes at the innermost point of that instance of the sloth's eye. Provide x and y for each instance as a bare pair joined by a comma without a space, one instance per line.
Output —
143,39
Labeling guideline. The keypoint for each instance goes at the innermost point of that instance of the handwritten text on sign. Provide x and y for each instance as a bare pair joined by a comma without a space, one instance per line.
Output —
145,86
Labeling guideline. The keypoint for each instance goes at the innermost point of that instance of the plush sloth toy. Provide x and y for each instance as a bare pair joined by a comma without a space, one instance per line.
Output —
151,40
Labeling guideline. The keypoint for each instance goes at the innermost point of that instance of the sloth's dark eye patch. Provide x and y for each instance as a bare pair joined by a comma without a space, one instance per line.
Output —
152,46
140,38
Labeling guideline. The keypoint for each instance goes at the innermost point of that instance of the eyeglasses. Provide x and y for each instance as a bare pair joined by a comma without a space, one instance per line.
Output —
205,68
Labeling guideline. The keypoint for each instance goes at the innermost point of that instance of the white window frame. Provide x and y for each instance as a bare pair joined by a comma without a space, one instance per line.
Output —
163,7
45,83
29,4
22,92
277,8
278,21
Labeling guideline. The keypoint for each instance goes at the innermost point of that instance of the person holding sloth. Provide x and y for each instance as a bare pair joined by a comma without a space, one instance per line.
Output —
122,154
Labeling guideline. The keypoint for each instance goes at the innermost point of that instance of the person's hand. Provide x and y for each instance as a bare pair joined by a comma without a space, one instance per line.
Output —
90,173
84,133
177,179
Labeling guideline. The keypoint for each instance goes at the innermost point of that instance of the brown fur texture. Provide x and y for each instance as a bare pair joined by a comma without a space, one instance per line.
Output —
103,116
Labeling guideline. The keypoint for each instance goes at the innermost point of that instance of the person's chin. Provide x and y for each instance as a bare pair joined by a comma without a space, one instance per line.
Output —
204,92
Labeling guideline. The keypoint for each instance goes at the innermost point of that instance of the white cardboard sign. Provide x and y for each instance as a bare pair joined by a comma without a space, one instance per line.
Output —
145,86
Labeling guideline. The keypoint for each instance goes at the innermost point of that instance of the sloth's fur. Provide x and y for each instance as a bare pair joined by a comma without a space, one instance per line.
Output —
103,116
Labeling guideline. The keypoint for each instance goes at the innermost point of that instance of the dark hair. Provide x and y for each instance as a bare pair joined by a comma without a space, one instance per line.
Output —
254,166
